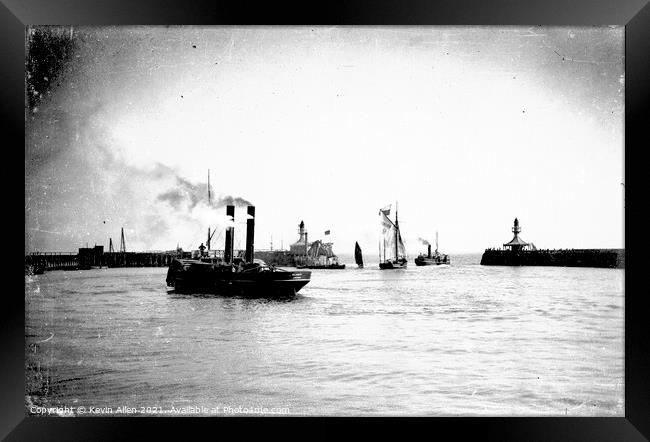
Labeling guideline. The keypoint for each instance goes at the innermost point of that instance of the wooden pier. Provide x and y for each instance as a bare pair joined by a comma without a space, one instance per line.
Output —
96,258
53,260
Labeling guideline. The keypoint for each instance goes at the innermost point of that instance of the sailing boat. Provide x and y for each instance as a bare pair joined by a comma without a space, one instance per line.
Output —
357,255
394,252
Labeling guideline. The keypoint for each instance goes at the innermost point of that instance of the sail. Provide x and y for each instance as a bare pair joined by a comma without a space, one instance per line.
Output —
401,250
393,253
391,234
357,255
386,224
389,243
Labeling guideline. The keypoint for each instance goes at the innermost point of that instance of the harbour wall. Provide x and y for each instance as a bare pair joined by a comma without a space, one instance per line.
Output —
604,258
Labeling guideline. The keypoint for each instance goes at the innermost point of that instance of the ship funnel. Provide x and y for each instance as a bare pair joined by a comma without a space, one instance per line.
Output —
250,234
230,236
429,251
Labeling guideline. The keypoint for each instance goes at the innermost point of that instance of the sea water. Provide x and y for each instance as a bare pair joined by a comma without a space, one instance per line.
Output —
457,340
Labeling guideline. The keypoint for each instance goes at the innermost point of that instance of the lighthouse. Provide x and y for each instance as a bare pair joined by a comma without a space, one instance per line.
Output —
515,228
300,247
516,244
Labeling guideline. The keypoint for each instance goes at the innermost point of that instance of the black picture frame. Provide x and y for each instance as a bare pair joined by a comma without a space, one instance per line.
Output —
634,14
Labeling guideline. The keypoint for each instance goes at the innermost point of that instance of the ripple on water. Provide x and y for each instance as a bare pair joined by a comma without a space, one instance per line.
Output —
470,340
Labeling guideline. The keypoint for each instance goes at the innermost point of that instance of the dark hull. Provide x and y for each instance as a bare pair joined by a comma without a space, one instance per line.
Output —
326,267
430,261
202,278
392,265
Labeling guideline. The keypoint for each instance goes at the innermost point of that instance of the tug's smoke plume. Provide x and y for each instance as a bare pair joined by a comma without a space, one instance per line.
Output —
190,194
82,184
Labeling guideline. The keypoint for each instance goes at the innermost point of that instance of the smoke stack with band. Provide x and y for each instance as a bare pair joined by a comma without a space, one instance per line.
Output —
250,234
230,236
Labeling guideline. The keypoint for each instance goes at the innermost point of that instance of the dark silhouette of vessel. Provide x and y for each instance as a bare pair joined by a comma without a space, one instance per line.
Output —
358,257
429,259
235,275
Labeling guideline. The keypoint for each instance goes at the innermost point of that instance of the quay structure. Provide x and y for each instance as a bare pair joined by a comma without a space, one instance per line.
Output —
301,252
517,252
289,257
95,257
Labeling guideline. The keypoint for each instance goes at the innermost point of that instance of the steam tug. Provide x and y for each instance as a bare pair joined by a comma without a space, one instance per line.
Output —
238,276
436,258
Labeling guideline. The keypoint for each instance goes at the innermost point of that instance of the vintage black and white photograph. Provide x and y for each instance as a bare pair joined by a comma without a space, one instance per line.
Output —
324,221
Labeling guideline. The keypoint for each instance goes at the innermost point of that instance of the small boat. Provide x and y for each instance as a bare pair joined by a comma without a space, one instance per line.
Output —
392,242
436,258
358,258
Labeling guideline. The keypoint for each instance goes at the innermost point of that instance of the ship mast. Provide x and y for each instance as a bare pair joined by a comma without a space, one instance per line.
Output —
209,205
122,242
436,242
396,232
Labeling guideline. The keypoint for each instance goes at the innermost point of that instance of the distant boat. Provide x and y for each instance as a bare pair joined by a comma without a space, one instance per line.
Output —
436,258
358,258
394,252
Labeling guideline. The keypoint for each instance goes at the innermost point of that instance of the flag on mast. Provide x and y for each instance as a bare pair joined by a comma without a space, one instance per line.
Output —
327,232
385,210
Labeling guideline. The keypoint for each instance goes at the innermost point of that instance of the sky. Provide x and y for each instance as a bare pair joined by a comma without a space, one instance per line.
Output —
462,128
